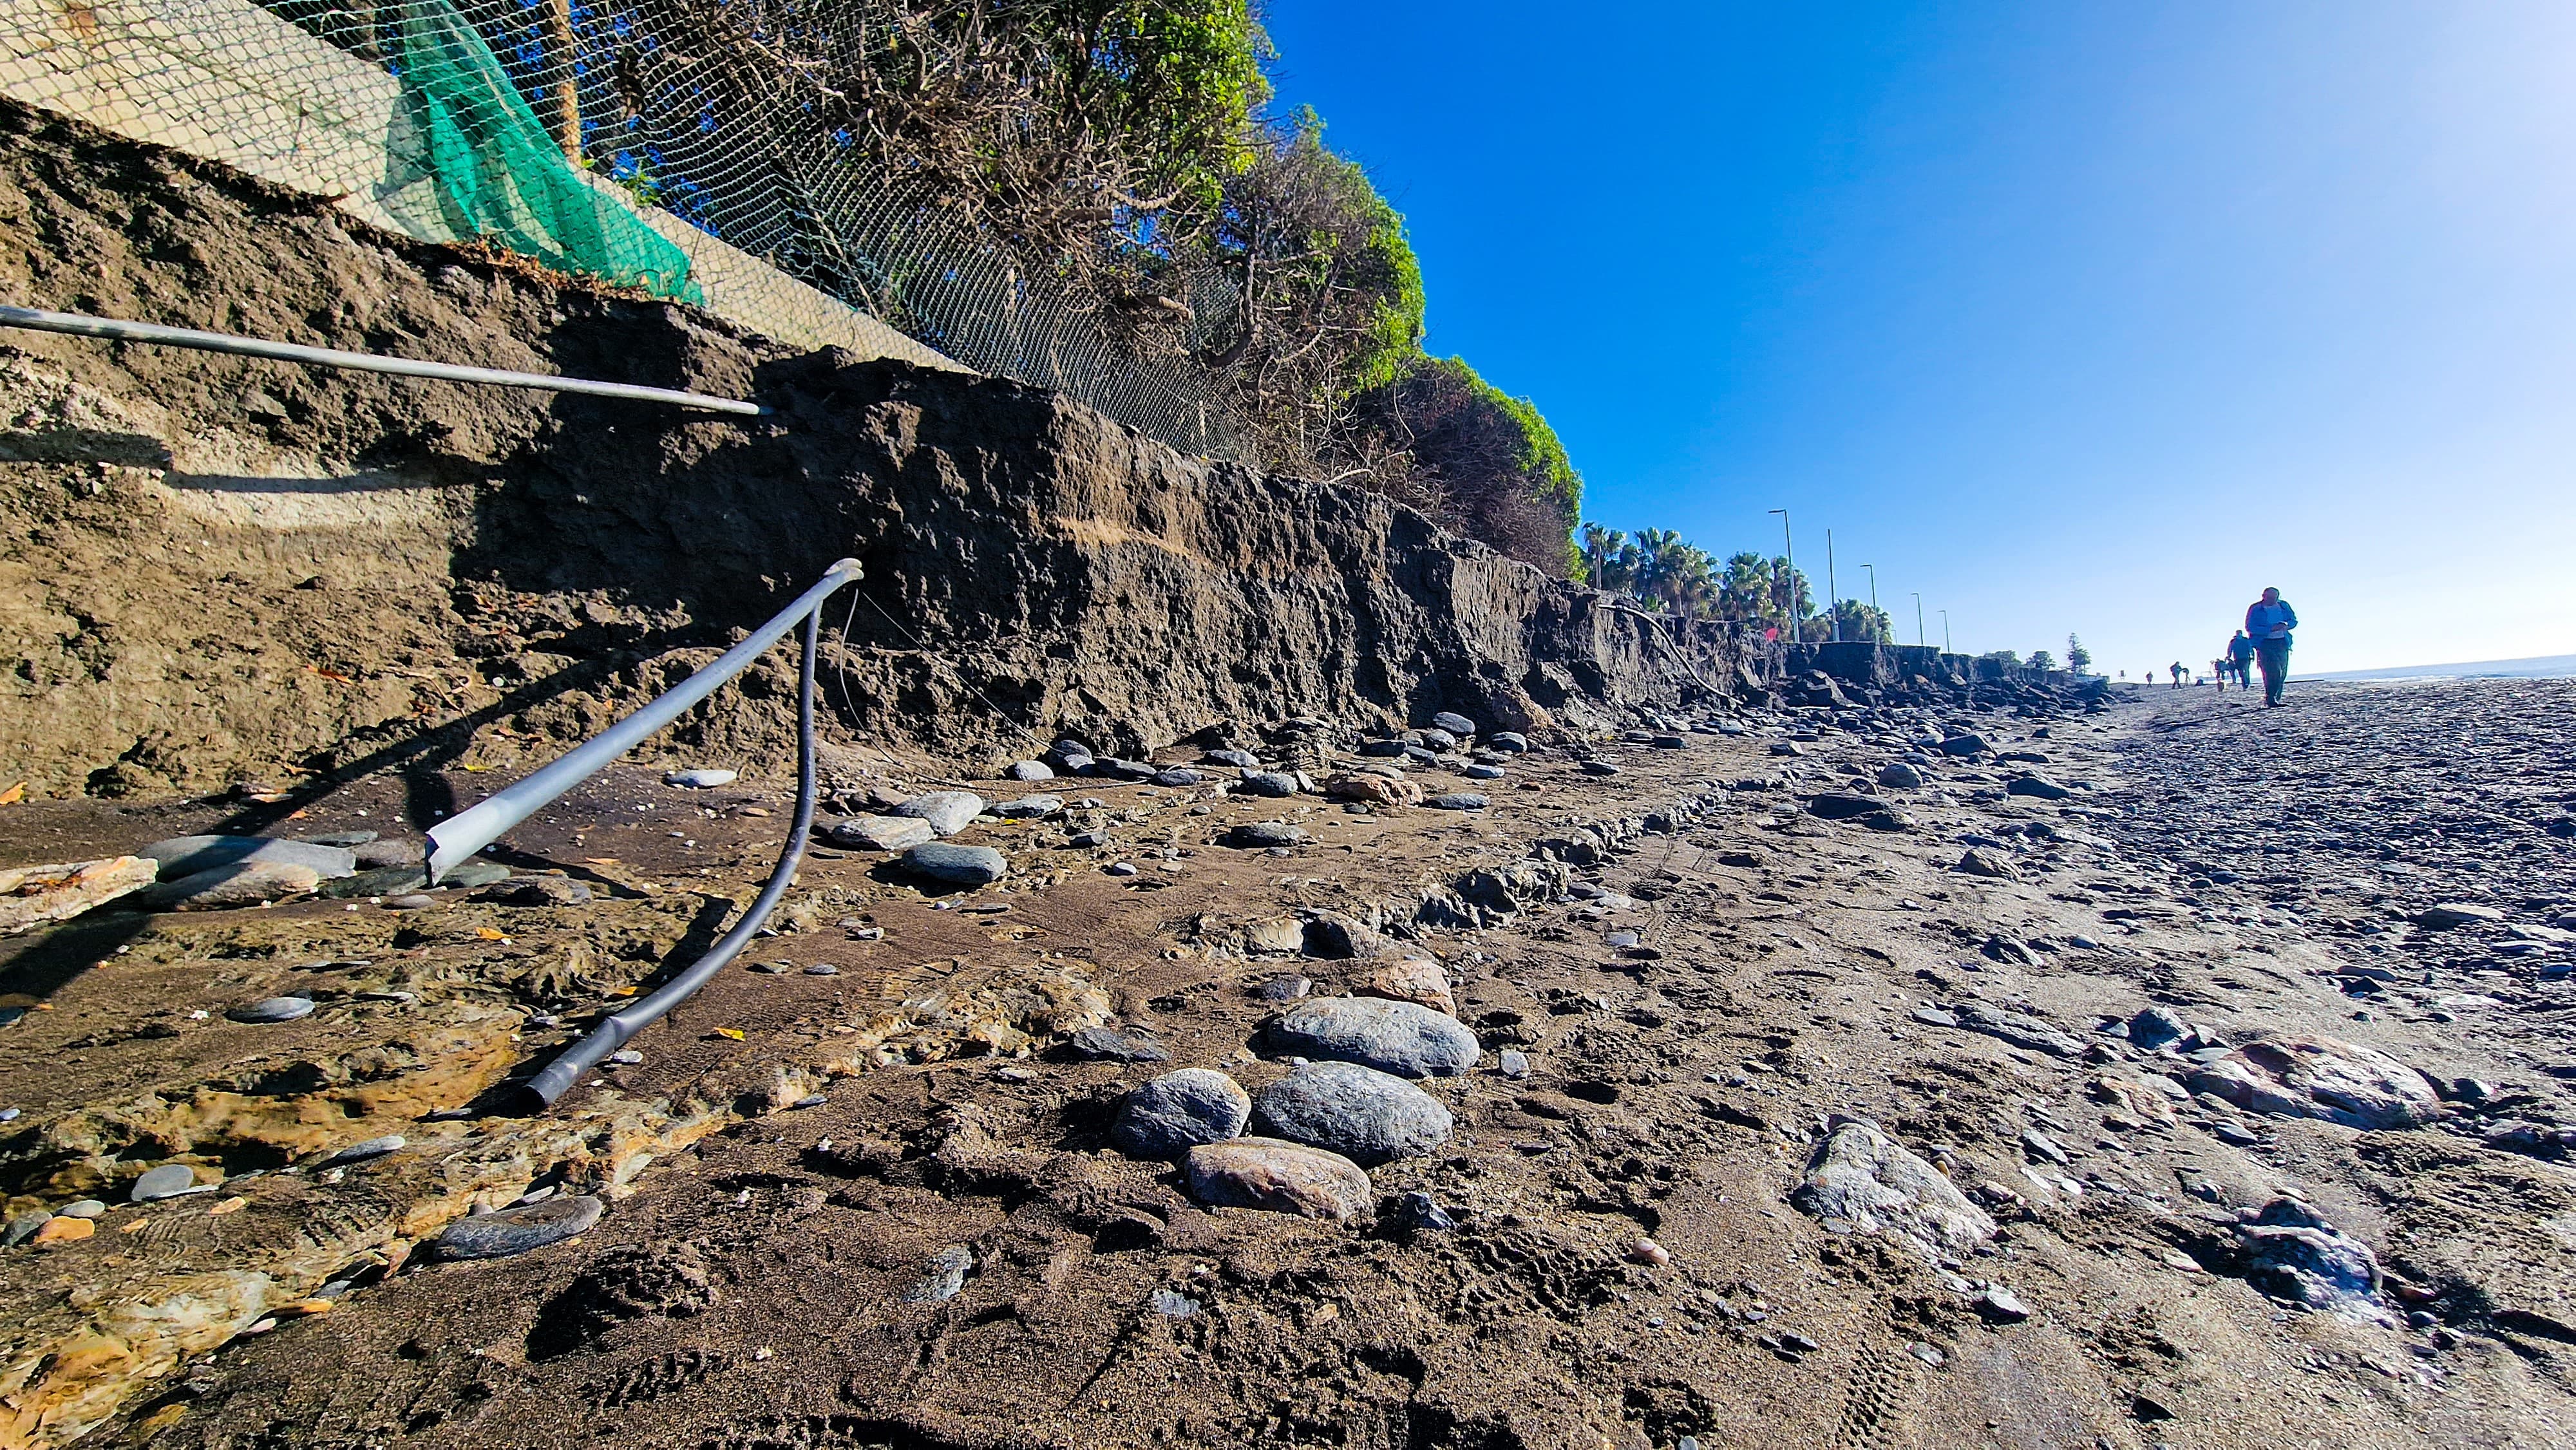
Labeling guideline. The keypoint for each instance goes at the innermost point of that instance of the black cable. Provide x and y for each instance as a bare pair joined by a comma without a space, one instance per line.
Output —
557,1077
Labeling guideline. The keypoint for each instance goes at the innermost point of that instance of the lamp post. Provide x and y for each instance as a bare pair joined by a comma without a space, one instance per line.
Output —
1945,633
1918,620
1833,592
1789,555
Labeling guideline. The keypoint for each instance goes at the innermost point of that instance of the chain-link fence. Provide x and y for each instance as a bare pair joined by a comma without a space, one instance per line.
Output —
623,140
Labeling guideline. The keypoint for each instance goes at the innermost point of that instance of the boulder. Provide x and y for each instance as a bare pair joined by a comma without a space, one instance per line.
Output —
947,811
1404,1038
1455,724
958,865
1859,1178
1368,788
2038,786
1259,834
2449,914
2321,1077
517,1230
2292,1253
1897,775
1285,1177
1837,806
1029,770
881,833
1975,862
1274,783
1178,1111
1030,808
182,856
2021,1029
1414,980
32,896
1365,1115
244,883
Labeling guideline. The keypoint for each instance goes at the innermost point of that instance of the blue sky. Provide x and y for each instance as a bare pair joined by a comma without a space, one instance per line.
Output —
2070,316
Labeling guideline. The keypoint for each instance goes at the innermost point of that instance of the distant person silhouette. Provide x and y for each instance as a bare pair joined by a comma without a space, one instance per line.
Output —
2177,674
2240,657
2269,620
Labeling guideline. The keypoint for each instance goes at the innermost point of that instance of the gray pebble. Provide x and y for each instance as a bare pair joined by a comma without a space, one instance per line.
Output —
272,1009
701,778
944,1278
85,1208
1269,783
1030,770
1465,800
1172,1304
1239,759
167,1181
360,1152
517,1230
1259,834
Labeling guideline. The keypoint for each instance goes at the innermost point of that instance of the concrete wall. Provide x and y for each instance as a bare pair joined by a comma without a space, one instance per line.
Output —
229,82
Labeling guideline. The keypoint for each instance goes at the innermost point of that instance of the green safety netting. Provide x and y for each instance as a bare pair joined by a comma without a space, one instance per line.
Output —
499,176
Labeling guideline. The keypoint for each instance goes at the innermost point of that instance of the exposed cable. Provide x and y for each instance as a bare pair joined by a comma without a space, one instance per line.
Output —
79,324
557,1077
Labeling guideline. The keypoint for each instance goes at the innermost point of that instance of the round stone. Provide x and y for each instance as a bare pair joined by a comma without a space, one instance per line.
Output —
517,1230
361,1152
167,1181
958,865
1404,1038
1365,1115
1178,1111
272,1009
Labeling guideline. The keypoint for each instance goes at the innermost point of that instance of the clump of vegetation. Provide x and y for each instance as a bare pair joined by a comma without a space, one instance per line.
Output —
1124,150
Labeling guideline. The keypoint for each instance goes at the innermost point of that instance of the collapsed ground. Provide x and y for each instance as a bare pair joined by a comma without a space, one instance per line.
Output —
945,1251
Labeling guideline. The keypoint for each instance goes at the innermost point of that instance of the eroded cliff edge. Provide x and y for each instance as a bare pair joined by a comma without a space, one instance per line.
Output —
221,569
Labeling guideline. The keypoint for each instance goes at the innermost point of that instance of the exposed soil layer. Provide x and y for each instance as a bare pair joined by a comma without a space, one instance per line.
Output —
222,569
758,1279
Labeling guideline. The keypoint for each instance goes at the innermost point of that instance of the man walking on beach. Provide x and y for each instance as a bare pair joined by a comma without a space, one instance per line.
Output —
2270,621
2240,655
2177,674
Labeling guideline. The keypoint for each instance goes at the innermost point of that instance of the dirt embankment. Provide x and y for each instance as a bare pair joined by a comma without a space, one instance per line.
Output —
222,569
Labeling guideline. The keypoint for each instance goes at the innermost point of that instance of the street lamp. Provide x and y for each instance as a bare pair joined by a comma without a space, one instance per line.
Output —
1833,592
1789,555
1918,620
1945,633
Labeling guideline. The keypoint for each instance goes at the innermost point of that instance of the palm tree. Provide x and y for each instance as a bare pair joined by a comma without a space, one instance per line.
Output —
1601,549
1744,592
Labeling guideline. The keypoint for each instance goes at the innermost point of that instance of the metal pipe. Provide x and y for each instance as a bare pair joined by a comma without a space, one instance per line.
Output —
81,325
1657,629
479,825
557,1077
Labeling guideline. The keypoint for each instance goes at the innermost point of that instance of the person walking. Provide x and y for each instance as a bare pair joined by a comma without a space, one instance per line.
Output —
2269,621
2177,674
2240,656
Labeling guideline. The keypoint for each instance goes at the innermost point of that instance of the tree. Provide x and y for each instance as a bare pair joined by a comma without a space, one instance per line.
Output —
2009,659
1864,623
2078,658
2041,659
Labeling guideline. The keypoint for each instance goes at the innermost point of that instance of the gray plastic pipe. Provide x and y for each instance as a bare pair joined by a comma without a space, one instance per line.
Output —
557,1077
81,325
479,825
